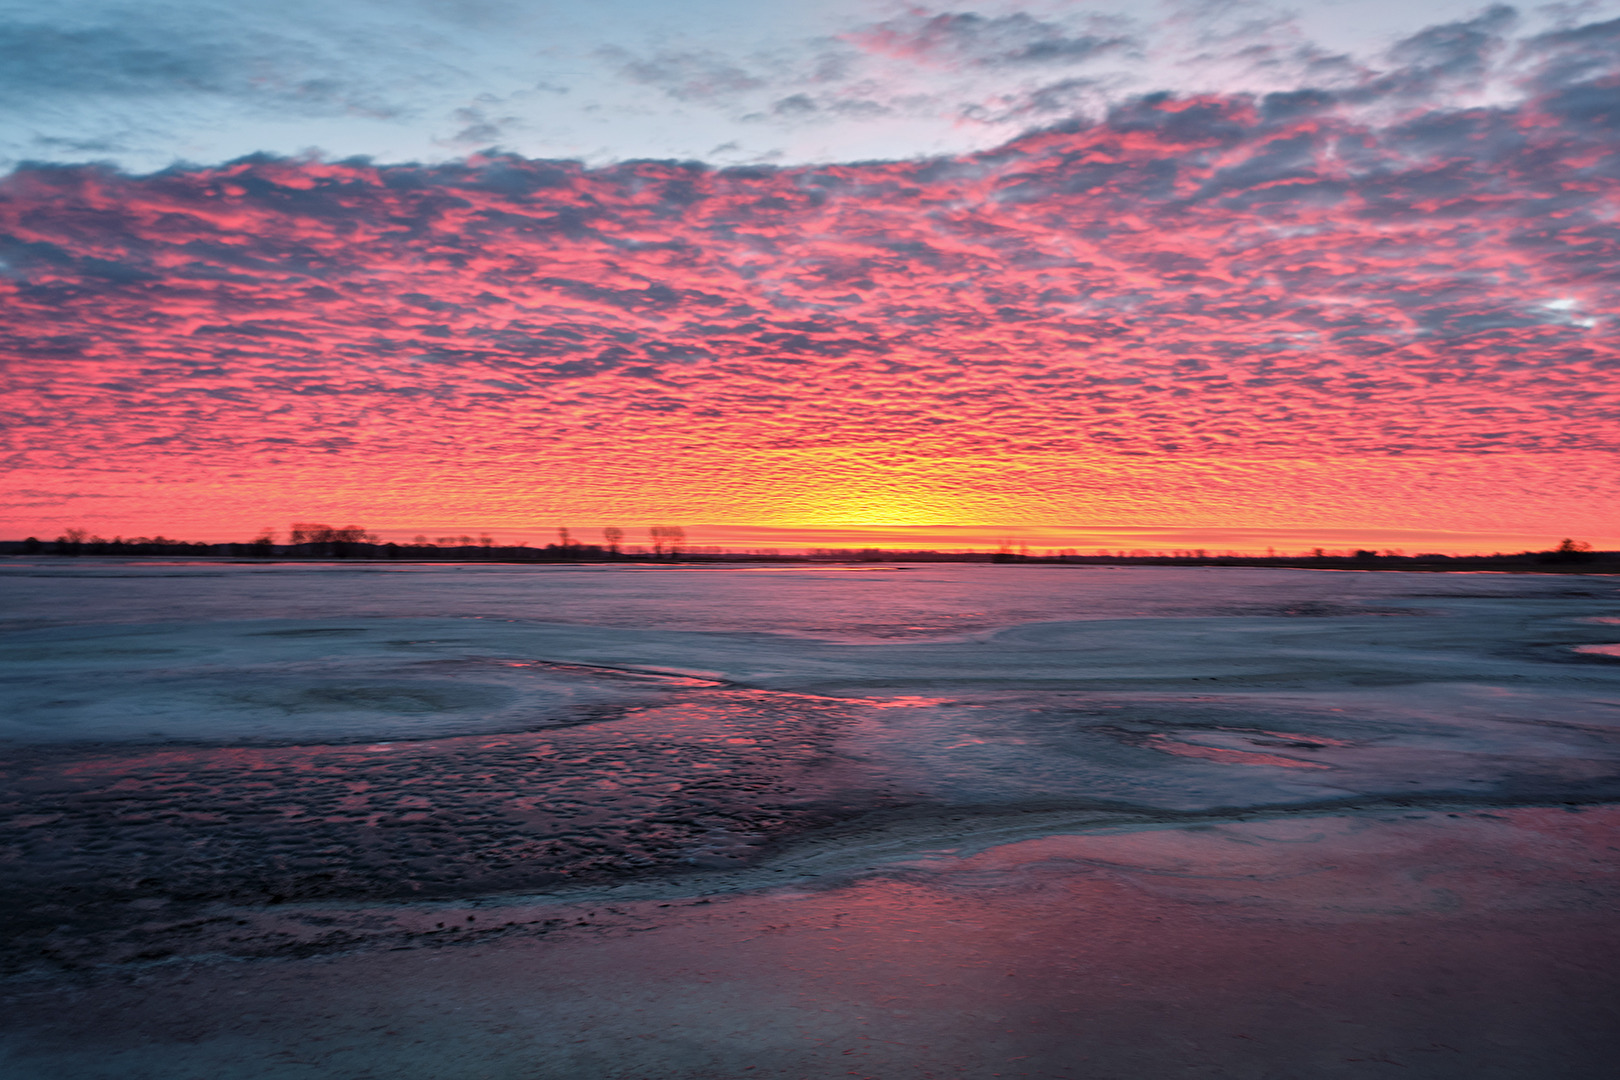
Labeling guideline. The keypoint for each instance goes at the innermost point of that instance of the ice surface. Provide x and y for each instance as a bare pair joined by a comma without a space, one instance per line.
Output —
292,680
1479,946
908,603
261,761
1149,692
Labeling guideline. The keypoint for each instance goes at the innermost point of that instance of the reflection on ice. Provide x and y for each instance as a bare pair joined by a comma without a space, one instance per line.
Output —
645,675
542,729
959,820
857,606
1598,650
1444,946
1226,754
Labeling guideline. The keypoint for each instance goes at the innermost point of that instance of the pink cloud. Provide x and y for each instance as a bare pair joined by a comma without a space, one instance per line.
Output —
1220,279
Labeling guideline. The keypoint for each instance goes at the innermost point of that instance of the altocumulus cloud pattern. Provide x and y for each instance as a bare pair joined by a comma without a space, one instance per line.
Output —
1346,274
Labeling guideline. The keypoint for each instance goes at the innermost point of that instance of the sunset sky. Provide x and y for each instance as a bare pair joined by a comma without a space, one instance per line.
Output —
1116,275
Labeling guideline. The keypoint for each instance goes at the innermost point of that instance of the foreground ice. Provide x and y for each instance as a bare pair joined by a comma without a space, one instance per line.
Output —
1151,772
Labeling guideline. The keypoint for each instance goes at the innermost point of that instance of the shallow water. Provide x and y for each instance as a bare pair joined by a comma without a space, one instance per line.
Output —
320,764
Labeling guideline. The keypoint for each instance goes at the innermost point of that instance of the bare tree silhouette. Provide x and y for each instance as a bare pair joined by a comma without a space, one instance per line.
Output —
667,539
333,541
1569,550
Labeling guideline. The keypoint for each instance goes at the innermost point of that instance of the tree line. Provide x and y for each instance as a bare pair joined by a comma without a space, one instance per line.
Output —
320,540
305,539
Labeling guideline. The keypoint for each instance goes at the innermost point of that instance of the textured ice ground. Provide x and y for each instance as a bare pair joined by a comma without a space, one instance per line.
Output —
308,760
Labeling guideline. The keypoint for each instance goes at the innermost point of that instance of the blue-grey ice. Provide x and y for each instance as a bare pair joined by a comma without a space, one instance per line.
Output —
941,818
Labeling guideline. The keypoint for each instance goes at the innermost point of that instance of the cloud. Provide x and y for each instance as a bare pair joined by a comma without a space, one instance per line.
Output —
1448,57
44,60
686,75
1229,276
482,130
205,82
968,38
179,55
1323,293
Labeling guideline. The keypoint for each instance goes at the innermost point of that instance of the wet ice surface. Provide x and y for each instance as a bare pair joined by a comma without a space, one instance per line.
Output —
862,603
259,763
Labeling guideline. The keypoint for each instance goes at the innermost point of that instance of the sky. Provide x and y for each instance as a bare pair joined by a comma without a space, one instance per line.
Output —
1175,275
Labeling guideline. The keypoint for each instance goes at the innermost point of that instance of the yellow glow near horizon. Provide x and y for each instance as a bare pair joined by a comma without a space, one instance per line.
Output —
883,506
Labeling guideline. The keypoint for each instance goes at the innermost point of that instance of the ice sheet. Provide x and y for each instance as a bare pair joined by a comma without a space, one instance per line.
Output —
951,767
922,601
1479,946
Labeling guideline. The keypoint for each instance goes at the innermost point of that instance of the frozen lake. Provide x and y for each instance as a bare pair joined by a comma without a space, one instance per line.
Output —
662,810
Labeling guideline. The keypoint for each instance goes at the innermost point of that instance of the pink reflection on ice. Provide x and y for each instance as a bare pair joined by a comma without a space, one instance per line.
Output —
1228,757
643,568
1599,650
1303,742
661,676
